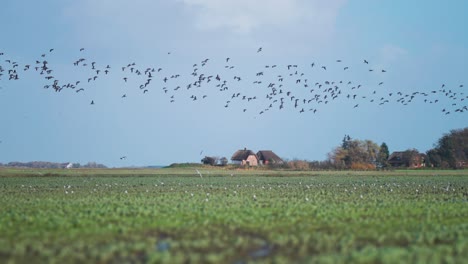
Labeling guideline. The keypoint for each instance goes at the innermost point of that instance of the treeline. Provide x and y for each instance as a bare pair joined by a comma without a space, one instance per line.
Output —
51,165
450,152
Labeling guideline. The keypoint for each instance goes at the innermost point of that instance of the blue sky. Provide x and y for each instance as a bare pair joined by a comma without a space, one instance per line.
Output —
420,44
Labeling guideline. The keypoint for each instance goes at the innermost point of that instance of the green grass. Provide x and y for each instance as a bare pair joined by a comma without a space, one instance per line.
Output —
176,216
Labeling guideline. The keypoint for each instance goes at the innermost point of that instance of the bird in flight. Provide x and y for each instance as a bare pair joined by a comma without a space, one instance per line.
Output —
92,102
259,49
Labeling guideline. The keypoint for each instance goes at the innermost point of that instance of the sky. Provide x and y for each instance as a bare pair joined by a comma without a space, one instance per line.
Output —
414,48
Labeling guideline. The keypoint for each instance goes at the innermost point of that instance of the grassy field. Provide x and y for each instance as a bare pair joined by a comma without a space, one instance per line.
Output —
233,216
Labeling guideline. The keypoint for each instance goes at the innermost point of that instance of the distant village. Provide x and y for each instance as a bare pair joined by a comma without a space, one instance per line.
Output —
451,151
246,158
241,158
267,158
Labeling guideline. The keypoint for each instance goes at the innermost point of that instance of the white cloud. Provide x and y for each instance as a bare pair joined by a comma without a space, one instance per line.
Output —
296,25
242,16
290,27
247,16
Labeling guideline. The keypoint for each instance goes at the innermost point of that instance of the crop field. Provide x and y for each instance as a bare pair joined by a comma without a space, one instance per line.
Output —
233,216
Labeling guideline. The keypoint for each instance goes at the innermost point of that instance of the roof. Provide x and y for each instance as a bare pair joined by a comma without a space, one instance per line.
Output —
396,156
242,154
268,155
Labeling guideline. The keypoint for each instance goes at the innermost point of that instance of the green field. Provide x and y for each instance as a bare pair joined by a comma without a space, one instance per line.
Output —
233,216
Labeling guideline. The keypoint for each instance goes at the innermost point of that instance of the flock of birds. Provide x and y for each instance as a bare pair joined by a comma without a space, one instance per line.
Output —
271,87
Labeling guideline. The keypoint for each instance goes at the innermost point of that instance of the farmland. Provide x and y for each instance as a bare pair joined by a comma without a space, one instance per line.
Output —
233,216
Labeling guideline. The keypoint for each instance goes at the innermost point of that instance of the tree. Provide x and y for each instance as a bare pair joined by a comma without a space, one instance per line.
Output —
451,150
338,157
382,157
346,142
433,158
223,161
372,151
355,154
411,158
209,160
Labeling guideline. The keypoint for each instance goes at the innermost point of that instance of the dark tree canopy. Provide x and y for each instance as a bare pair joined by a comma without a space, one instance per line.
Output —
451,150
411,157
209,161
382,157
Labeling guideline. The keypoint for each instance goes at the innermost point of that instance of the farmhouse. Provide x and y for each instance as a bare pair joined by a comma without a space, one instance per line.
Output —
266,157
406,159
245,157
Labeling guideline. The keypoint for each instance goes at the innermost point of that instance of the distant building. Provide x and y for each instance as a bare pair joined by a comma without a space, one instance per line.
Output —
245,157
410,159
266,157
